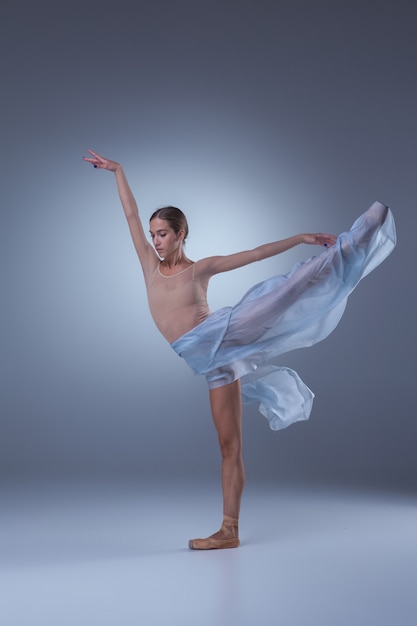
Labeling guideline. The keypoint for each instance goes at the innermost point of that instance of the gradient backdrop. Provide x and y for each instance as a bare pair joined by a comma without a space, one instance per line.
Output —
260,119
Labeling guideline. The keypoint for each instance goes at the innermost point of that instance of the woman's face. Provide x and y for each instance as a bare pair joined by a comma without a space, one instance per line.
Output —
165,240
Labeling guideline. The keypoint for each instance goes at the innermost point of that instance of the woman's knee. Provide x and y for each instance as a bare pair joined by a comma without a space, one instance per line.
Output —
230,446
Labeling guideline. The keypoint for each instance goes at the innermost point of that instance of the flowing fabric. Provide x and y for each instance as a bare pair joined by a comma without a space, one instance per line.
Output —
284,313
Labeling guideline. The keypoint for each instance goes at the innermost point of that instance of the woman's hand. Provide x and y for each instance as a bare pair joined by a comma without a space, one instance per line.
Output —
100,162
319,239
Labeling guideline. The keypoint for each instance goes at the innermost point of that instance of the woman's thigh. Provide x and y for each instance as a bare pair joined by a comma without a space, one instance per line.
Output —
226,408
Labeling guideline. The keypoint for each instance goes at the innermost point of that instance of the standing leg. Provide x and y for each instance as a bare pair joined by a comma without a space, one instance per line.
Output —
226,408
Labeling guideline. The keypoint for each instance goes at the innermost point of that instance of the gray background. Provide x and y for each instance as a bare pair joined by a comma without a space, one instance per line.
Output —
260,119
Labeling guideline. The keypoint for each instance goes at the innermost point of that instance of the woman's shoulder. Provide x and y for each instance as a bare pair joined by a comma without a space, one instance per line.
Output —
209,266
204,266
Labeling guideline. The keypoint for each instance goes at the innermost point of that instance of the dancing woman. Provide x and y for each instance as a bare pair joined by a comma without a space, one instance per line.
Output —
236,348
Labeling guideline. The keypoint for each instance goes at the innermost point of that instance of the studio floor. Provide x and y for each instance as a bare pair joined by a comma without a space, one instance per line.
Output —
116,554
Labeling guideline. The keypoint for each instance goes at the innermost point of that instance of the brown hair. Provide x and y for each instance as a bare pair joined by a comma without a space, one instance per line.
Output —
175,218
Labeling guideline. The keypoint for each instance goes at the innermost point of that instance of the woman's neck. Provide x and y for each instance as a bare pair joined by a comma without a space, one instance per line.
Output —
178,259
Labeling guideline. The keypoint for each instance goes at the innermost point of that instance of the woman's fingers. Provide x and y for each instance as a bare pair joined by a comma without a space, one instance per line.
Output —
320,239
96,155
94,162
327,240
98,161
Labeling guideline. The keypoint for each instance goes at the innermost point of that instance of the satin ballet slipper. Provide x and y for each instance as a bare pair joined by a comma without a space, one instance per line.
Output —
226,537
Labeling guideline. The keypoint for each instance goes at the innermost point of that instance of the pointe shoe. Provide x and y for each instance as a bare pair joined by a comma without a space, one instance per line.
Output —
226,537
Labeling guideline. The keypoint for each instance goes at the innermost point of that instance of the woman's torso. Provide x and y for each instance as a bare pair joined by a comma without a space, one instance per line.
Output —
178,302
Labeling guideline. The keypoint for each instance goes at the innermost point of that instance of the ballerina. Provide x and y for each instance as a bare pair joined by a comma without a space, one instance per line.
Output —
236,348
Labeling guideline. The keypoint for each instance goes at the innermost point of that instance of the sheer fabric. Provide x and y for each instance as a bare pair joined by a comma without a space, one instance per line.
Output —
284,313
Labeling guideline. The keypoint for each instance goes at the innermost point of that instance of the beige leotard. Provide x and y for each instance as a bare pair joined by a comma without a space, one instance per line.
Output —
178,302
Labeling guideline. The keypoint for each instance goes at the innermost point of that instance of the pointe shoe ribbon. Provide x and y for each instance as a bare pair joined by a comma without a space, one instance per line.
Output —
226,537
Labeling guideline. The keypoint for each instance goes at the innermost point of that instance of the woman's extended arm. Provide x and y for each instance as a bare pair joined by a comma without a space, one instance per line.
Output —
145,251
217,264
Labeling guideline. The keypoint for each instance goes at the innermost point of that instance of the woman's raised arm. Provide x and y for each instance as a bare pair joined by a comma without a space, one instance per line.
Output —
217,264
145,251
